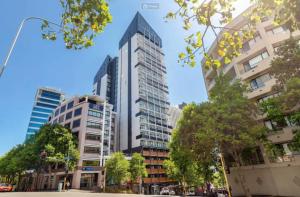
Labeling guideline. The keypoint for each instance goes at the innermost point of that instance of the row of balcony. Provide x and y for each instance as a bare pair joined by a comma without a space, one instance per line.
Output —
157,180
154,162
156,171
155,153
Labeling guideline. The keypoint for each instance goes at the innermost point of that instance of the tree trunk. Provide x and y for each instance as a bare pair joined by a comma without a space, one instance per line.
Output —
19,181
49,177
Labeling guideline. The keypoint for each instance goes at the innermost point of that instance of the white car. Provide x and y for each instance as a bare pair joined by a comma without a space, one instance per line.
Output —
222,193
171,192
164,191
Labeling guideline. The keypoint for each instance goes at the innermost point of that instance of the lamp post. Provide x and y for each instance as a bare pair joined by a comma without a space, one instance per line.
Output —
17,36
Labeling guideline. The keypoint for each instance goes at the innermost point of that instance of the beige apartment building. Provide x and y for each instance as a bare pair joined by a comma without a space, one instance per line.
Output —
277,177
96,138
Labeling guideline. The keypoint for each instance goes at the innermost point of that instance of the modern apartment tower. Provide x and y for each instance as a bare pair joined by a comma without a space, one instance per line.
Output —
106,81
263,175
92,121
143,99
46,100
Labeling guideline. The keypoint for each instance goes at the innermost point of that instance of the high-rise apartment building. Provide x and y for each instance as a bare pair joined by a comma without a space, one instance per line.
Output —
46,100
106,81
143,99
92,121
263,176
174,115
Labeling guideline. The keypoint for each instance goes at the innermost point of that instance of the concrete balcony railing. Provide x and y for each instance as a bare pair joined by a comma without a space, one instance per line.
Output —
280,37
261,66
284,135
156,171
154,162
157,180
259,46
262,90
155,153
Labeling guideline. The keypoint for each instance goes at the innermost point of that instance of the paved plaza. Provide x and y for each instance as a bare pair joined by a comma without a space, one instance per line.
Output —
67,194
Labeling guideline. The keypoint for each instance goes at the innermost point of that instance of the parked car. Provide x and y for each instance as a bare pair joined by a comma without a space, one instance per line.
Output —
222,193
171,192
5,187
164,191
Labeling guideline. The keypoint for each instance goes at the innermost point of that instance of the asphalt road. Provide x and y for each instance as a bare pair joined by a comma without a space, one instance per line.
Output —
67,194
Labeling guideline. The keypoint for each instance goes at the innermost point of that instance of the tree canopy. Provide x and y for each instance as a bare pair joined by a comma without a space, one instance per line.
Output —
54,141
181,166
137,167
211,17
225,124
286,65
117,168
81,22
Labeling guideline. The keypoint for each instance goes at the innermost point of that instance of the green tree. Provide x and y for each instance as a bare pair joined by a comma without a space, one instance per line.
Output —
286,65
225,124
59,145
210,17
137,168
117,168
55,141
181,165
81,21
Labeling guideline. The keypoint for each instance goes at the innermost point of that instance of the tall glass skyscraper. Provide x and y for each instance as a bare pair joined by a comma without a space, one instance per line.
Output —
143,99
46,100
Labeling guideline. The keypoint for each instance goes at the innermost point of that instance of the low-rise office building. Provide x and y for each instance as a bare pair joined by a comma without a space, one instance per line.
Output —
92,122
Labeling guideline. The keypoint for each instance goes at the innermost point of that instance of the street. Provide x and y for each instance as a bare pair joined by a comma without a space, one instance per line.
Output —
74,193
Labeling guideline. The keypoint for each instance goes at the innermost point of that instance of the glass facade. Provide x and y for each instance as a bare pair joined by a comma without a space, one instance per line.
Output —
46,100
153,92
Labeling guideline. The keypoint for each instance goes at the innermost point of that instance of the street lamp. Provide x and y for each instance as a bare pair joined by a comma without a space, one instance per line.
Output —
17,36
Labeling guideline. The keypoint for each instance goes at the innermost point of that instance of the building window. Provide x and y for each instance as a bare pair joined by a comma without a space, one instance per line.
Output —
61,119
42,110
70,105
252,63
76,123
48,101
88,149
89,136
247,45
38,120
77,112
63,109
259,81
277,30
46,105
95,125
68,125
56,112
69,115
39,115
37,125
95,114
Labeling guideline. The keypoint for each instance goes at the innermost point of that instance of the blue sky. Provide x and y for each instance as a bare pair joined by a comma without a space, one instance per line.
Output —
36,63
